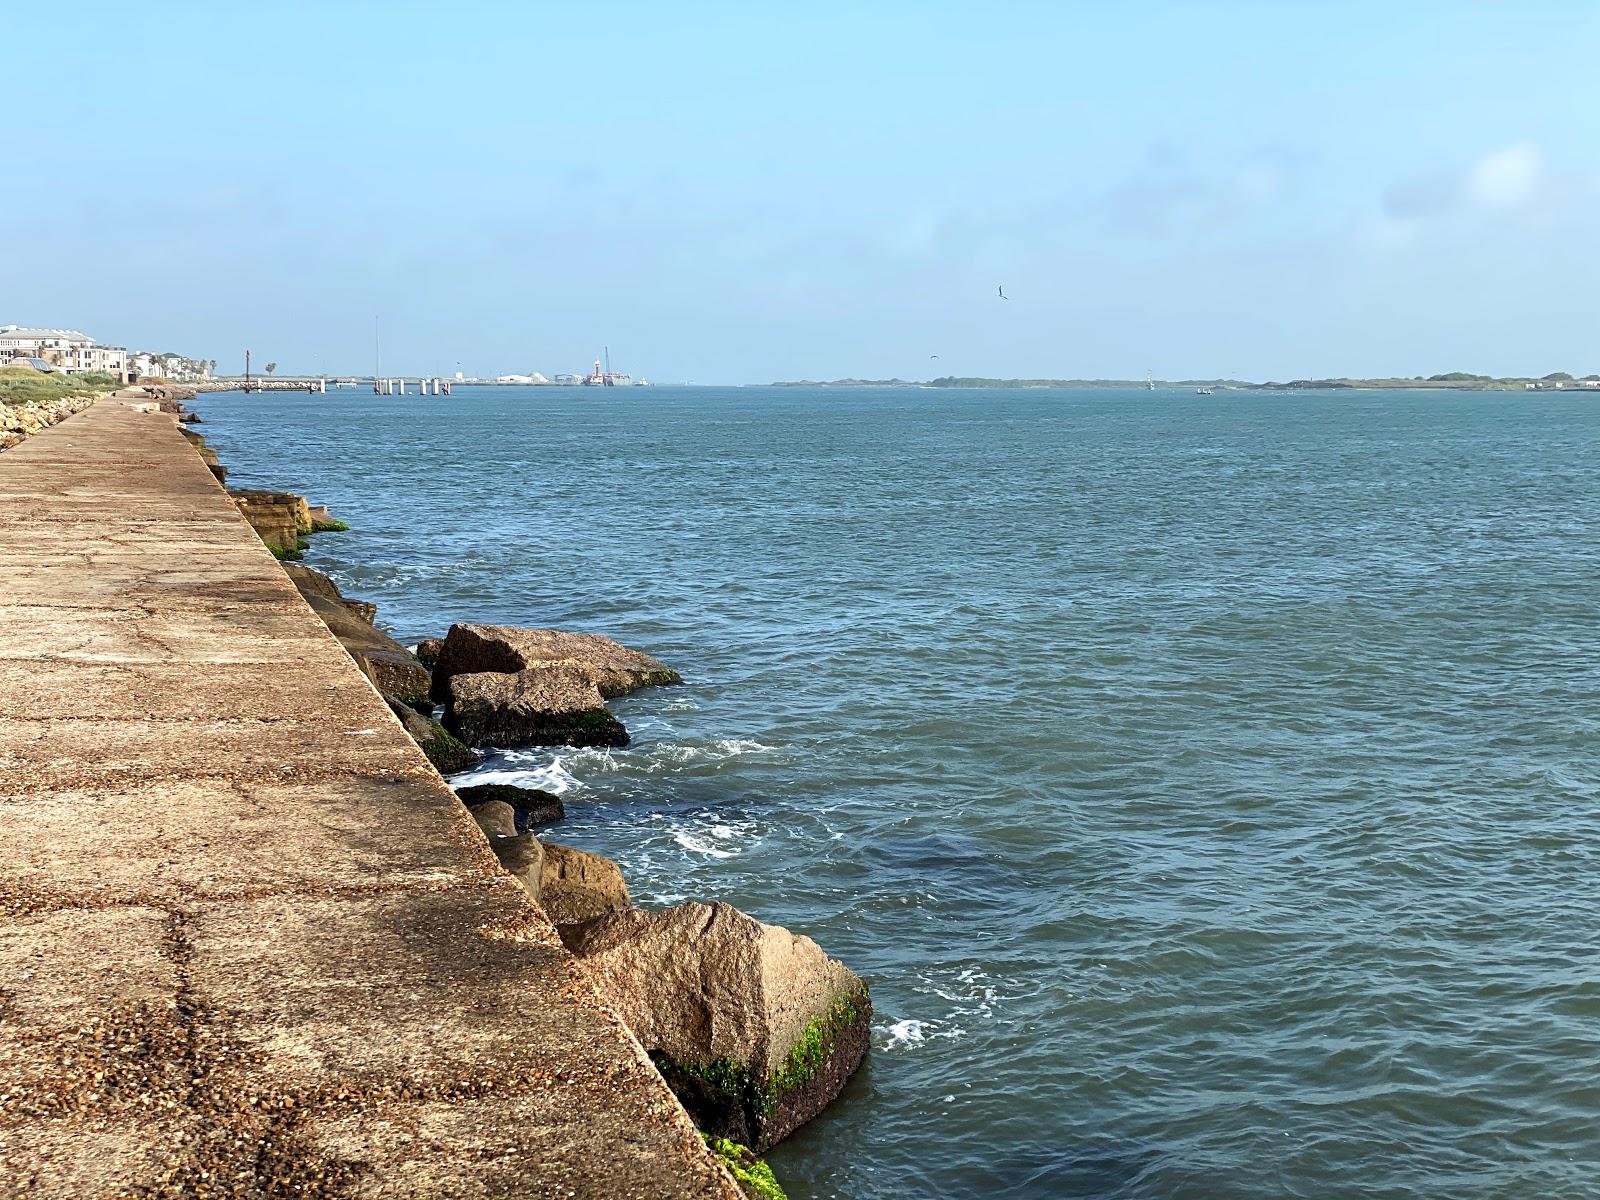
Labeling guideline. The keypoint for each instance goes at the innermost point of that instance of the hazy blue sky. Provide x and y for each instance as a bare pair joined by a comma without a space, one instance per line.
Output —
746,192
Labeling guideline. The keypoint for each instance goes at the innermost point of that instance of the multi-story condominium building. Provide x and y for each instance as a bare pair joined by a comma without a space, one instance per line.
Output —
66,349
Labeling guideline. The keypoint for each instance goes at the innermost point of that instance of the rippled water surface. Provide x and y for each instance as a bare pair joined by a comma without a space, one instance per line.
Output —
1206,785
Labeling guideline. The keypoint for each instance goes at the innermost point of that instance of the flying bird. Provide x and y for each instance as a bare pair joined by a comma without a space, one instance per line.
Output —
1002,290
933,356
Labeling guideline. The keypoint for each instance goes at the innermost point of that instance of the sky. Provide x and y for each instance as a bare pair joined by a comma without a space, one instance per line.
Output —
747,192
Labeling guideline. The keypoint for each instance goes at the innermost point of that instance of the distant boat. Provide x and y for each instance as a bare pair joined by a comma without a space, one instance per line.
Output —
1149,384
1202,391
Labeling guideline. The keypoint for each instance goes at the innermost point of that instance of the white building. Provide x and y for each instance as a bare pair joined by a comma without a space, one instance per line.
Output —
67,349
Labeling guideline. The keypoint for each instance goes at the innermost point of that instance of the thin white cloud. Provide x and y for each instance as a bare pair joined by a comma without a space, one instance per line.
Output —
1166,193
1507,178
1510,185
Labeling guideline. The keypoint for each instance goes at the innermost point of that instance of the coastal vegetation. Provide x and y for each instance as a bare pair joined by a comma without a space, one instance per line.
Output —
24,385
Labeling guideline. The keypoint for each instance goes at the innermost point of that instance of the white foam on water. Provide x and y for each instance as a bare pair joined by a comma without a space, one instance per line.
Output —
550,776
709,835
970,997
590,758
910,1032
905,1033
700,845
718,750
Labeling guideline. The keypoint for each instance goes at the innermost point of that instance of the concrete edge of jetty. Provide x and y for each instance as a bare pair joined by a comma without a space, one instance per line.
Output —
250,943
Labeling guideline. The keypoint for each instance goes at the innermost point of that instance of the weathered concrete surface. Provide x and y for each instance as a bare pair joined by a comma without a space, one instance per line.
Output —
250,943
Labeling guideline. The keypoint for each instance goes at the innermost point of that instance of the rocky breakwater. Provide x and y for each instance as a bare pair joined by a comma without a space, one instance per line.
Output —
507,686
18,422
392,669
753,1027
283,520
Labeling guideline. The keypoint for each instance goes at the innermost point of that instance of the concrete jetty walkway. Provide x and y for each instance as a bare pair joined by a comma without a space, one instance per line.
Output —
250,943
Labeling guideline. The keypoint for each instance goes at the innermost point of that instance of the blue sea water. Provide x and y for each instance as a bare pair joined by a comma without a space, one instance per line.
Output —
1209,786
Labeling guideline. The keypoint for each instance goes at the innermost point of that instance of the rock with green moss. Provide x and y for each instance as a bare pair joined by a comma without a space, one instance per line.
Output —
754,1177
754,1028
322,521
445,751
546,706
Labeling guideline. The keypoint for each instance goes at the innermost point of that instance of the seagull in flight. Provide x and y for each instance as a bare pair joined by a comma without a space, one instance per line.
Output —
933,356
1002,290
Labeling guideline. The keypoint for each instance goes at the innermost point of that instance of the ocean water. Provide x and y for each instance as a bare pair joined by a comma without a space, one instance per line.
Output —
1209,786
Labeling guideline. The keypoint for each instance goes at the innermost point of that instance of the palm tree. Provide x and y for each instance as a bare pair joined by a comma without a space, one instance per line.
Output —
271,367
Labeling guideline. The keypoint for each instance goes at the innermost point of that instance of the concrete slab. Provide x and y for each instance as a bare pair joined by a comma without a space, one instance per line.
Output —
133,634
43,689
96,578
166,842
65,752
496,1147
67,1027
250,943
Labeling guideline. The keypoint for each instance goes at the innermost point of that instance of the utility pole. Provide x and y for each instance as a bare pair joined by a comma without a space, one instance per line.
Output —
247,372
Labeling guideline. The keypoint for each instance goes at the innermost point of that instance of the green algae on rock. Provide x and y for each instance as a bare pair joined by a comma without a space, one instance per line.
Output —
549,706
753,1175
755,1029
445,751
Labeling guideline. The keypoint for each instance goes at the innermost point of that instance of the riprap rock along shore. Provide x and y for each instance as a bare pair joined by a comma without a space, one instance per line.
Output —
754,1028
18,422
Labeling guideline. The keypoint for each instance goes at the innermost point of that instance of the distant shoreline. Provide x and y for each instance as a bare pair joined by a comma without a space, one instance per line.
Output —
1454,381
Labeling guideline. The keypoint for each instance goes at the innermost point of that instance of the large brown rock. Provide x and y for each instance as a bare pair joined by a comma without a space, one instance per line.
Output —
280,519
312,582
546,706
496,818
395,674
613,668
522,857
444,750
756,1029
577,886
427,651
572,886
532,806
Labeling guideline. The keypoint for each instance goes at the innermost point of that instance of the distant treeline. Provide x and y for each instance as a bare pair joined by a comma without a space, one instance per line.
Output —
963,381
847,383
1459,380
1450,379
